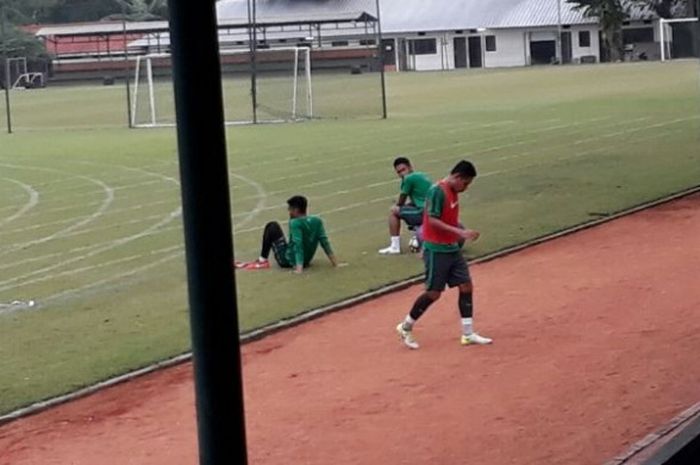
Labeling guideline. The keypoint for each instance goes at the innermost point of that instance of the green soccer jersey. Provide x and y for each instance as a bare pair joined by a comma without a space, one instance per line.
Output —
305,234
415,186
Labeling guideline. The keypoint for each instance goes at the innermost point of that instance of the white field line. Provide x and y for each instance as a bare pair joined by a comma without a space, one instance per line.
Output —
32,201
631,130
109,197
21,280
80,291
435,149
10,283
261,195
26,229
468,126
335,155
77,292
518,155
92,268
437,159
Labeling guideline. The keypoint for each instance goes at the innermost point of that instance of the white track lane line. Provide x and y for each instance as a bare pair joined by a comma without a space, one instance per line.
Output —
32,201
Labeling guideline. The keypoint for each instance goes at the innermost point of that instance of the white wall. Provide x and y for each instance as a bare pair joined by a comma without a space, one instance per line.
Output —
443,58
510,48
577,51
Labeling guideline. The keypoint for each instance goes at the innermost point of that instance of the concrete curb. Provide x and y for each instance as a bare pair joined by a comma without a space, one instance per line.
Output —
281,325
659,446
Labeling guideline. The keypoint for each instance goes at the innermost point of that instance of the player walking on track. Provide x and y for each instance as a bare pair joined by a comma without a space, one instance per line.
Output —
444,262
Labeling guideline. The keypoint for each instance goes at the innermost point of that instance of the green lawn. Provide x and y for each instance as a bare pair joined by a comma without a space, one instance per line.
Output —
89,211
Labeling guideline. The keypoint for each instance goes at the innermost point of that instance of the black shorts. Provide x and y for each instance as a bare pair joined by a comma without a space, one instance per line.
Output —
412,215
445,269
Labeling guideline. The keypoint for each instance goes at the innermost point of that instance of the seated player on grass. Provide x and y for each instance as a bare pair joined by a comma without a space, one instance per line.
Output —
306,232
414,186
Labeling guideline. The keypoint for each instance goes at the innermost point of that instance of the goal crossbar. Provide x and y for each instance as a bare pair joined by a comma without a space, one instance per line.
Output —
663,39
301,58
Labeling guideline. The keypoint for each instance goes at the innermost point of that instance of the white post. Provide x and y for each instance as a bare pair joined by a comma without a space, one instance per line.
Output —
294,91
309,94
136,91
151,93
662,40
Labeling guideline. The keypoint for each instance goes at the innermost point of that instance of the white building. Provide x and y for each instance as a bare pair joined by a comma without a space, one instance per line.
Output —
448,34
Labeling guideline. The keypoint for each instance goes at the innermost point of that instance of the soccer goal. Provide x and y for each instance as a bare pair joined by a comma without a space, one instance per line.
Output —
282,87
678,38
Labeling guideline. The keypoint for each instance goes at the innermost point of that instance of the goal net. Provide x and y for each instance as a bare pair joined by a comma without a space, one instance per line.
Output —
678,38
280,92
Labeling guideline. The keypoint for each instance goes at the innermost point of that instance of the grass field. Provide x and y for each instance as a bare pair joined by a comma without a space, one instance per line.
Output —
90,224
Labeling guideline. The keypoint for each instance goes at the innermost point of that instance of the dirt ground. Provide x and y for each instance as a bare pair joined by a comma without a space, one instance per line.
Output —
597,337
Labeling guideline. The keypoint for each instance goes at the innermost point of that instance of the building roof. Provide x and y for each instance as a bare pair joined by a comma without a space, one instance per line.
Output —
278,18
399,16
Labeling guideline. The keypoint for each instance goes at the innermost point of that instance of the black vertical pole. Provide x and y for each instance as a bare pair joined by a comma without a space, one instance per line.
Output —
380,47
6,69
253,43
208,232
127,70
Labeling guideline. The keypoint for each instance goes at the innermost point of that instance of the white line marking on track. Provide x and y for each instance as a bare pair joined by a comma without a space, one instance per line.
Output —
32,201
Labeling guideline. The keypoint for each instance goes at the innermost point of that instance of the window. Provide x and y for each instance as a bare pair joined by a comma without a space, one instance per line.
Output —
368,42
637,35
339,43
584,38
490,43
424,46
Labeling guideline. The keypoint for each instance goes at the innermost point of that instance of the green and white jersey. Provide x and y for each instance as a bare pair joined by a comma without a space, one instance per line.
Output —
305,235
415,186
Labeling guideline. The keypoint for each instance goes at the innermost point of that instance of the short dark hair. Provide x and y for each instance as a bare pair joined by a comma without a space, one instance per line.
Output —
401,161
299,202
464,169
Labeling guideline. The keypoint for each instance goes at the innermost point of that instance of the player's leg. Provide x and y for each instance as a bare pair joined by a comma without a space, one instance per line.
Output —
436,273
394,233
272,240
460,277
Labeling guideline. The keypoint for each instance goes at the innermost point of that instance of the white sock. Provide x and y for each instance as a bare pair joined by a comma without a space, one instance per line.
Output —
408,323
467,326
262,259
395,242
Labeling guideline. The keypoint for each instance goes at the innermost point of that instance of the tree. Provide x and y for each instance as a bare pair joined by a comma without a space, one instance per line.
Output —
611,14
668,8
141,10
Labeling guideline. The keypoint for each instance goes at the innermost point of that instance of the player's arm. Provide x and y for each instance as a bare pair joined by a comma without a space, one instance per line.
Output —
433,204
406,189
296,241
326,244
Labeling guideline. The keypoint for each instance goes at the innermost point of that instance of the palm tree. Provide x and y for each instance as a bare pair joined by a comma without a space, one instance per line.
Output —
611,14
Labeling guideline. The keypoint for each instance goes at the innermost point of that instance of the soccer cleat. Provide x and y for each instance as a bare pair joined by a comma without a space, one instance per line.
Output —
389,251
474,338
239,264
257,265
406,337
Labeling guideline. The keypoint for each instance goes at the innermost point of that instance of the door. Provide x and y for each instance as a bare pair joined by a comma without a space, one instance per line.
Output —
543,52
460,48
475,52
566,54
389,53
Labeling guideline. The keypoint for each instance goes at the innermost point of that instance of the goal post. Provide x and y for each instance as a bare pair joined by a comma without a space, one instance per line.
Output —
669,29
283,87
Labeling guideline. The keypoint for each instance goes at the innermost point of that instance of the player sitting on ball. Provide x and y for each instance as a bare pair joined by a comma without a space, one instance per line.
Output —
306,232
414,186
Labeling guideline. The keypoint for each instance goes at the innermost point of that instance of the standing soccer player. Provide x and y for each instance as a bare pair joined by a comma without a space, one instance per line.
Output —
414,186
444,262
